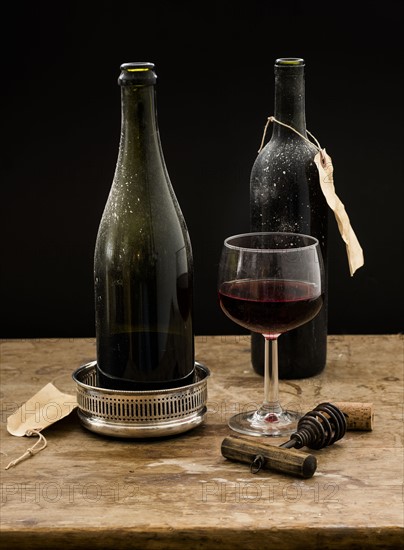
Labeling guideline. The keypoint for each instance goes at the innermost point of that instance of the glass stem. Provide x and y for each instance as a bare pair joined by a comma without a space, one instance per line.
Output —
271,384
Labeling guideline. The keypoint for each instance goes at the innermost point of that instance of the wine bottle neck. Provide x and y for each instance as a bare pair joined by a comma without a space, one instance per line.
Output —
139,130
289,99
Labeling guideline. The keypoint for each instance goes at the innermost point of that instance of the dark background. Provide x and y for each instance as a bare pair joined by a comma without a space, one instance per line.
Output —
61,125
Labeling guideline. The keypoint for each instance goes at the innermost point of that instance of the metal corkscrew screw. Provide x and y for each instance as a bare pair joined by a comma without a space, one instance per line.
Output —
318,428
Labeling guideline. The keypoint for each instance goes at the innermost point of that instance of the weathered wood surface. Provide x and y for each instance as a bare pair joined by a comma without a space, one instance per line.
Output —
89,491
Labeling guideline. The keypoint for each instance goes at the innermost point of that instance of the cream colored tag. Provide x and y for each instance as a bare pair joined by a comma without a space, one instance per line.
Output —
43,409
354,250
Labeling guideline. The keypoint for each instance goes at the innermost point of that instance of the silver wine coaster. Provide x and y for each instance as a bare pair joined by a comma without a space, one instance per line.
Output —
155,413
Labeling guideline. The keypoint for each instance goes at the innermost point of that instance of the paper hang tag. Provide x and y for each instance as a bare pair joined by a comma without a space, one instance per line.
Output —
43,409
325,170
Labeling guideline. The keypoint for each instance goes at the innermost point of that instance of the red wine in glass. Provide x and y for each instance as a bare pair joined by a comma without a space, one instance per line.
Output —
270,306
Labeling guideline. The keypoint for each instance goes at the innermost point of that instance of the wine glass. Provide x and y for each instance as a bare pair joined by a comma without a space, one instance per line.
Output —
270,283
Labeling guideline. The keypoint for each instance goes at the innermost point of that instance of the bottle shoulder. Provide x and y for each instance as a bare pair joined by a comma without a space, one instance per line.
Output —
145,225
292,149
285,159
142,192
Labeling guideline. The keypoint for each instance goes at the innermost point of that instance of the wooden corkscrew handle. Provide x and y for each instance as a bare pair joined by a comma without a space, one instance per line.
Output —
261,455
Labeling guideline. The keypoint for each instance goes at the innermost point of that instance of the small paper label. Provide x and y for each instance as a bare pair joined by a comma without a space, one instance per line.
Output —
325,169
43,409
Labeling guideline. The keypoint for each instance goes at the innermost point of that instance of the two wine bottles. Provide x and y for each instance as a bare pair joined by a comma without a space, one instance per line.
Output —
143,268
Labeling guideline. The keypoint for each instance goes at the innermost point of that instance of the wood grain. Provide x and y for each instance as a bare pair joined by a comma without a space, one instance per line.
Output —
88,491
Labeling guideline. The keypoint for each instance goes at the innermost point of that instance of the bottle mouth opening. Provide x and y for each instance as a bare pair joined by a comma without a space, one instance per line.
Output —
139,73
289,62
137,67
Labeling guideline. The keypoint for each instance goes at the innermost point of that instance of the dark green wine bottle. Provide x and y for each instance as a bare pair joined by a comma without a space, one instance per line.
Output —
143,269
285,195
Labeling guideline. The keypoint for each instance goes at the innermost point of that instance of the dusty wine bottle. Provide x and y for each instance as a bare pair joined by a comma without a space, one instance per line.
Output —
285,195
143,269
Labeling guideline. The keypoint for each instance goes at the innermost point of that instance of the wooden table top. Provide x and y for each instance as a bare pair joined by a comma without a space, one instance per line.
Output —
89,491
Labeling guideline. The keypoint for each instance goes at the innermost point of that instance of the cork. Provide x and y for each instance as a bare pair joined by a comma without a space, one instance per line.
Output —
359,416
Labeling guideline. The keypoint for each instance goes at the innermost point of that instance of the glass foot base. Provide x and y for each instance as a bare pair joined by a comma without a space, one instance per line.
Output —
258,423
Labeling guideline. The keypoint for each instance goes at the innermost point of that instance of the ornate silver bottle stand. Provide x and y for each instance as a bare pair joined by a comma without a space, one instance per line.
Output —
139,414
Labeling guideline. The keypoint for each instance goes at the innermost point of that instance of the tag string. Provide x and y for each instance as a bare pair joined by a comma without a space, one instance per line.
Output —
32,450
273,119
